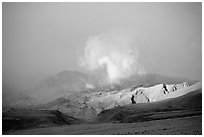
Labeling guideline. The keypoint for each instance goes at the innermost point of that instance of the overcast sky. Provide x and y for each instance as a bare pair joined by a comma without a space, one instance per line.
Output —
41,39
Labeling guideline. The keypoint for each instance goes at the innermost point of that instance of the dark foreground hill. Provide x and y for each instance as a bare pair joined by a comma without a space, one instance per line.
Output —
26,118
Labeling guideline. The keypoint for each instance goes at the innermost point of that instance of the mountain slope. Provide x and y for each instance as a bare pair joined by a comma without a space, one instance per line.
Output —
184,105
86,105
69,82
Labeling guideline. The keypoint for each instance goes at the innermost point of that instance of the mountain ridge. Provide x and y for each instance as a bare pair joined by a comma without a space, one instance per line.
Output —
87,105
67,82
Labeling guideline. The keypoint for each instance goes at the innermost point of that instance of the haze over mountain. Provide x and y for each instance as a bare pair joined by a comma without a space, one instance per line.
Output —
66,83
100,62
42,39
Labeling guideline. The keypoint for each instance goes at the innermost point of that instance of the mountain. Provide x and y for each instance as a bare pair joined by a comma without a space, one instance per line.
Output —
151,79
187,104
69,82
66,83
63,83
157,102
13,96
88,104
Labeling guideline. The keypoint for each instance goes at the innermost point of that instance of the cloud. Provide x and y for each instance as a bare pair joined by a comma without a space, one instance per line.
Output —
113,52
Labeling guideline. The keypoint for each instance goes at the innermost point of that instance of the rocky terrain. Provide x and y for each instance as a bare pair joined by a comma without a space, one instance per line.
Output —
66,83
181,114
87,105
186,105
137,100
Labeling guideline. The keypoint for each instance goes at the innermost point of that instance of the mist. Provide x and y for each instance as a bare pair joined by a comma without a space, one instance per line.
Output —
116,40
114,53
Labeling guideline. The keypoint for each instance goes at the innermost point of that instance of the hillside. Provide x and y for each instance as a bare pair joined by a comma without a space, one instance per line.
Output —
66,83
87,105
185,105
184,111
18,119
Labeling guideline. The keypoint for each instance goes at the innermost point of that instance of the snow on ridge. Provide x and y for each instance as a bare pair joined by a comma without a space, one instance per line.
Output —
141,94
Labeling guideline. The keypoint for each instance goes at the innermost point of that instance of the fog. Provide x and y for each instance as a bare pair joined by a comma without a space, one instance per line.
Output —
42,39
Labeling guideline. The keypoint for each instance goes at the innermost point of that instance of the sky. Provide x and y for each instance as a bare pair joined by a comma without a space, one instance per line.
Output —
42,39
